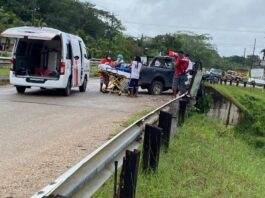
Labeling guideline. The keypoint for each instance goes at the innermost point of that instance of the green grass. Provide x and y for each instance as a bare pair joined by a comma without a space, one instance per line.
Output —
94,71
136,117
5,54
4,72
130,121
4,82
205,159
252,102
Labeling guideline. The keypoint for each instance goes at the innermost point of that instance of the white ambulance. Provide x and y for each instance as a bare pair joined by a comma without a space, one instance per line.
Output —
47,58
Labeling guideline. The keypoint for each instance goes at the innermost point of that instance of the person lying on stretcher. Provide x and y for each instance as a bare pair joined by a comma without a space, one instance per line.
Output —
119,64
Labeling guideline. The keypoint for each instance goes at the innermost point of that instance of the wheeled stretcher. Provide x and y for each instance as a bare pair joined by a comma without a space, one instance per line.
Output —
118,79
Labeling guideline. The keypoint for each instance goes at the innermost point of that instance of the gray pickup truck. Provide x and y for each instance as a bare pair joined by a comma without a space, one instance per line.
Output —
158,75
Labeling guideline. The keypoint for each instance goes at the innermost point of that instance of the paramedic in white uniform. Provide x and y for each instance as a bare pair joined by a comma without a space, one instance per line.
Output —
136,68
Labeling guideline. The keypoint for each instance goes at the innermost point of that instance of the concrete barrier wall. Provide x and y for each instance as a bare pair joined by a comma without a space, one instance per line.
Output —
223,109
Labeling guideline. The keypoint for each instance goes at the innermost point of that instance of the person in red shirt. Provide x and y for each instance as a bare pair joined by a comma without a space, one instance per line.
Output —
104,78
181,65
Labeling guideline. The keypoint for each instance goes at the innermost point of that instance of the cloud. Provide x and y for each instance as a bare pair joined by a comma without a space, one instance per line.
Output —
233,25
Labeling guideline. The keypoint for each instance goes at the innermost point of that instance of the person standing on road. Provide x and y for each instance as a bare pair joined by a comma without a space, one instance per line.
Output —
190,66
188,71
136,68
104,78
180,77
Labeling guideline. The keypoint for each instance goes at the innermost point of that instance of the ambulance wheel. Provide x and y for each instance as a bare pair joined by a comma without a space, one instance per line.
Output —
67,89
20,89
82,88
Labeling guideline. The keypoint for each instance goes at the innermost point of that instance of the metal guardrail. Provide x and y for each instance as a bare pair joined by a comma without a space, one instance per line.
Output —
83,179
5,60
94,62
4,77
237,83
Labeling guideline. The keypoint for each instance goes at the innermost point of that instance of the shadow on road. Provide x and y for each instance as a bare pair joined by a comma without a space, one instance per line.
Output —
48,92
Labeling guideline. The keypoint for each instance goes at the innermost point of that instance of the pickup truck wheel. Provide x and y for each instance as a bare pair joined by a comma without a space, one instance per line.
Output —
156,88
82,88
20,89
67,90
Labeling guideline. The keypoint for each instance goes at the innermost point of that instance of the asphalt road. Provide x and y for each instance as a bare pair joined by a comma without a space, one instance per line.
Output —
42,134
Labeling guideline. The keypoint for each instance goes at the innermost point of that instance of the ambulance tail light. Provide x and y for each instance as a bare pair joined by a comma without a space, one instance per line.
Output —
62,68
12,64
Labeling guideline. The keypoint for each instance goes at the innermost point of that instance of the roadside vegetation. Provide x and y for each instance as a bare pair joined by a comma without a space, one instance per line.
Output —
4,82
94,71
205,159
103,31
4,72
252,102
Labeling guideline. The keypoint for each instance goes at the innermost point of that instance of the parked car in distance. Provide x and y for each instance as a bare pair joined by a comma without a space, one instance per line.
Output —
232,75
213,75
216,72
257,81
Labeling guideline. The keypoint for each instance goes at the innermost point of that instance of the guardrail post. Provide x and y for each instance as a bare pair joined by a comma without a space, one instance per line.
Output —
155,148
231,82
151,147
174,121
164,123
237,82
115,179
129,174
245,83
182,111
253,84
263,86
225,81
221,81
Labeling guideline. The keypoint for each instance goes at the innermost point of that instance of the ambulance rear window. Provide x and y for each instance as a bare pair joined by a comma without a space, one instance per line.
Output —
69,51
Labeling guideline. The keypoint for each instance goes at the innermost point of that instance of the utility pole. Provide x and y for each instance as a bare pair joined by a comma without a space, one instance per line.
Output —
142,45
244,61
111,30
253,61
34,7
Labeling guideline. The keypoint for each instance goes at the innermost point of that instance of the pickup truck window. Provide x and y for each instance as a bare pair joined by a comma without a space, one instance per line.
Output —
158,62
169,63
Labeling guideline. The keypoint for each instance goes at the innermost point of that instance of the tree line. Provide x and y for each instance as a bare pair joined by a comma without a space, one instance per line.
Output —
102,31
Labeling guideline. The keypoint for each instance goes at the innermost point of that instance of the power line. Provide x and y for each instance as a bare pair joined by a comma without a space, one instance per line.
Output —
157,25
101,3
233,45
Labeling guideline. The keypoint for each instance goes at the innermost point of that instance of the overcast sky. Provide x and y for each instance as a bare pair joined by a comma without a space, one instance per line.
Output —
233,24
